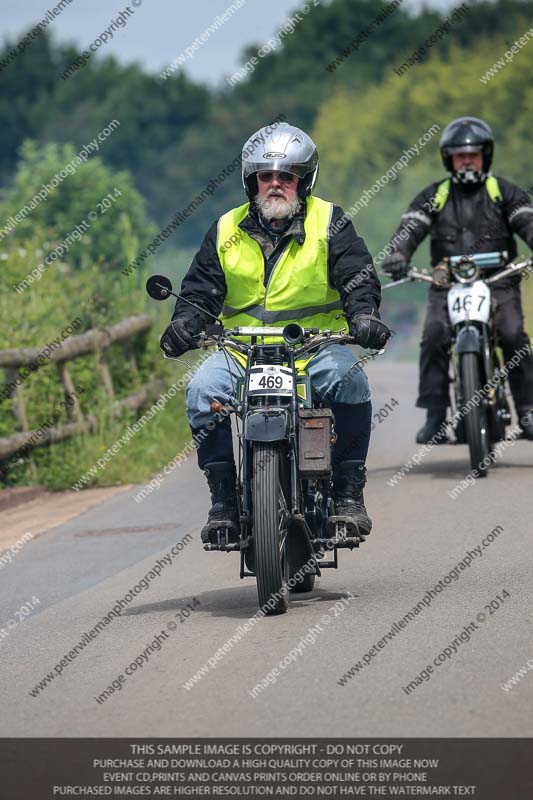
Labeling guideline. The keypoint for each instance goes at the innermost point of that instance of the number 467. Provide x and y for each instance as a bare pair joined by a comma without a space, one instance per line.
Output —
465,303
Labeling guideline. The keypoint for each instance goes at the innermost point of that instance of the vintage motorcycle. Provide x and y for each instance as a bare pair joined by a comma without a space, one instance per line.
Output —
287,516
480,410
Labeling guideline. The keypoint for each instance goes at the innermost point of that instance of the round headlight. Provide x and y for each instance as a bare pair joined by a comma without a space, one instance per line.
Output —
466,270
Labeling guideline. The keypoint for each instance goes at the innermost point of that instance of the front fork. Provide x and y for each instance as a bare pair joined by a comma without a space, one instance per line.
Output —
295,498
468,339
494,395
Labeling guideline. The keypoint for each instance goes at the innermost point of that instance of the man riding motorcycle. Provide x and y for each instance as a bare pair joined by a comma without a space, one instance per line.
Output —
273,261
470,212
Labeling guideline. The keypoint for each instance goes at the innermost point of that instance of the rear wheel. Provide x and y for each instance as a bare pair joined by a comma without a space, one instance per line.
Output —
270,517
475,420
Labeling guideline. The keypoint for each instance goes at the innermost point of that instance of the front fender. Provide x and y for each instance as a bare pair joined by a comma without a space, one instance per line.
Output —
468,340
260,426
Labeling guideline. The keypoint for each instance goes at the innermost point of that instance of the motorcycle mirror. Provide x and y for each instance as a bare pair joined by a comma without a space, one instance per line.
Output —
159,287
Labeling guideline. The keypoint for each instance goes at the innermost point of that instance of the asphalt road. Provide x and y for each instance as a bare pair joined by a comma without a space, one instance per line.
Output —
79,571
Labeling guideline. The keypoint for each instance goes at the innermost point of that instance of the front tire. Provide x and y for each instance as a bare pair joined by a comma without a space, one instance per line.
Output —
269,529
476,422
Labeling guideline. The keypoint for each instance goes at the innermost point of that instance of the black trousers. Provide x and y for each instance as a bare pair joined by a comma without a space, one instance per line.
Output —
433,389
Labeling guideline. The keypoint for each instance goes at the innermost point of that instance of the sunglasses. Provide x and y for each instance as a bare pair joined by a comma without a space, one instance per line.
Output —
284,177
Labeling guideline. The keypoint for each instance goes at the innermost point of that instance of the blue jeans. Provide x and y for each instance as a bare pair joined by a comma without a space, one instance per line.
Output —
331,373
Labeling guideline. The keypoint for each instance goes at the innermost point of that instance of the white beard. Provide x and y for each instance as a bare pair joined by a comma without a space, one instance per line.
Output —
276,207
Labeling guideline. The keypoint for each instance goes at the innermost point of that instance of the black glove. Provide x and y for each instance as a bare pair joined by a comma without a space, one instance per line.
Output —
369,331
396,266
178,338
441,276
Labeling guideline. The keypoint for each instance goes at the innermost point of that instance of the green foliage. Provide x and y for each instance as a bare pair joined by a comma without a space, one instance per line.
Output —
175,136
434,93
443,87
38,316
99,209
37,306
154,114
147,452
26,85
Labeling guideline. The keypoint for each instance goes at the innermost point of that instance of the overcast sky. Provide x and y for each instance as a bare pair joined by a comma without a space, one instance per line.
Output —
159,30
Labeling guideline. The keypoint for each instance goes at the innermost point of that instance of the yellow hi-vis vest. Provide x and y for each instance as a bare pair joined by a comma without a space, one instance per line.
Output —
297,290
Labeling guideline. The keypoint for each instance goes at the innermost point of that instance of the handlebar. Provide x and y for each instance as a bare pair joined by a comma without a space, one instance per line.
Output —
418,275
313,338
159,287
314,341
511,269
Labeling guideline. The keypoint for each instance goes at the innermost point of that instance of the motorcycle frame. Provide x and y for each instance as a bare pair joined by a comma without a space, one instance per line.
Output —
274,407
474,336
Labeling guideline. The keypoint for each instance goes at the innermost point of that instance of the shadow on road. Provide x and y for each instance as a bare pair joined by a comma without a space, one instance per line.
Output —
238,602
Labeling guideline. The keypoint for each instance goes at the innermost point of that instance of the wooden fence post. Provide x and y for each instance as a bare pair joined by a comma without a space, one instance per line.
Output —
70,392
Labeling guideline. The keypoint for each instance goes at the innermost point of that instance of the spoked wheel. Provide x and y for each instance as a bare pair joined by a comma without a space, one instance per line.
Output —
270,527
476,421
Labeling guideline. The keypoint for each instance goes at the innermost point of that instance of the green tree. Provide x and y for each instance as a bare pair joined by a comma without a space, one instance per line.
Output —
26,86
94,216
442,88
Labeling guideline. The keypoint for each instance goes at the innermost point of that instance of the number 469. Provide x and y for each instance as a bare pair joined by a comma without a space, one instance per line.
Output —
271,381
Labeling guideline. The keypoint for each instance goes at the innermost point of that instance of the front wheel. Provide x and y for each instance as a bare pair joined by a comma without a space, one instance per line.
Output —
270,518
476,423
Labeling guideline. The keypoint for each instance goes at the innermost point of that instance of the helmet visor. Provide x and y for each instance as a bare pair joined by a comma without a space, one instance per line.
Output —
462,148
276,165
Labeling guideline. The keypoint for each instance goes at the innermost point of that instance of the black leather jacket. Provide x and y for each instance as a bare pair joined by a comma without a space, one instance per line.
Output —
470,221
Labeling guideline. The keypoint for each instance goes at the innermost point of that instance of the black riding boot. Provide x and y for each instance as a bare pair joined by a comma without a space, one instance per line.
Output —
224,512
433,428
526,422
215,457
349,479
